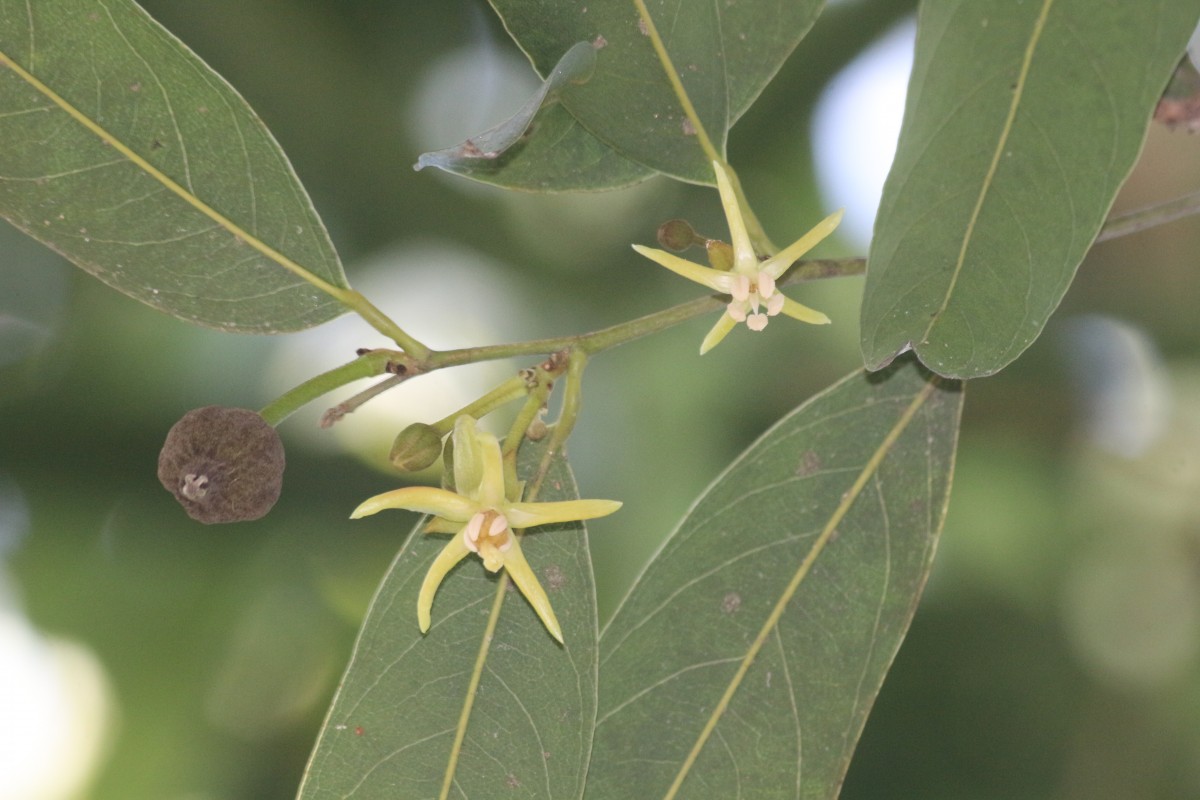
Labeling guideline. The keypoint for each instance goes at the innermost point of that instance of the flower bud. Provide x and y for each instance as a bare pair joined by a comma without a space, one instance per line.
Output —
448,464
720,254
677,234
417,446
222,464
537,430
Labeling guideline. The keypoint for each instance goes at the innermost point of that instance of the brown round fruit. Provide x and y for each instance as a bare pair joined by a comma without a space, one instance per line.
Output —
222,464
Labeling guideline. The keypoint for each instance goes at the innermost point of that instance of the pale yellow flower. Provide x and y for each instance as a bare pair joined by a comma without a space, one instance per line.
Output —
750,283
482,519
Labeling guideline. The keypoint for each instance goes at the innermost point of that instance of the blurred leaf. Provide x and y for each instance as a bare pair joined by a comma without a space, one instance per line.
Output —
129,156
725,54
1022,121
542,147
391,730
747,656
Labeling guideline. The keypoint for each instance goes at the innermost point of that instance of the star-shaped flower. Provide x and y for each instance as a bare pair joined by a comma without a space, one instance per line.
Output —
482,519
750,283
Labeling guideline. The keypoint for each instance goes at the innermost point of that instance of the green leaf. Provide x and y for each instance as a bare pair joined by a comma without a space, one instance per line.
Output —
391,730
725,53
1022,121
542,147
129,156
746,658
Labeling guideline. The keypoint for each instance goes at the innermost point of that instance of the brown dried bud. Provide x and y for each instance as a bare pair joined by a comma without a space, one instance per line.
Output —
677,234
222,464
417,446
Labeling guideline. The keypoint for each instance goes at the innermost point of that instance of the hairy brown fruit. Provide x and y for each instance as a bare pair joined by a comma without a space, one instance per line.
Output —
222,464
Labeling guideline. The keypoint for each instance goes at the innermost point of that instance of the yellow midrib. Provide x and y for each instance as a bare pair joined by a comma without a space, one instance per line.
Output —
989,177
169,183
818,547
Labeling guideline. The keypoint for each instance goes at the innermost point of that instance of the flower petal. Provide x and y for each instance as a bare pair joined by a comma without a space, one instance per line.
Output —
425,499
527,515
715,279
522,575
440,525
776,304
804,313
454,552
779,263
743,251
724,325
468,466
491,488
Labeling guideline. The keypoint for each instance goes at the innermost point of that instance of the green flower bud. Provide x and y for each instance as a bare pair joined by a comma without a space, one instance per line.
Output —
417,446
222,464
720,254
448,464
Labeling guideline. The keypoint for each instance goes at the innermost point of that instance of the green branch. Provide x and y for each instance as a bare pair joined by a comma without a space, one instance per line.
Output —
405,365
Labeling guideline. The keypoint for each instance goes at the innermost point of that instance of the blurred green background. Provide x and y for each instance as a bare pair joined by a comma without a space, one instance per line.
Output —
1056,653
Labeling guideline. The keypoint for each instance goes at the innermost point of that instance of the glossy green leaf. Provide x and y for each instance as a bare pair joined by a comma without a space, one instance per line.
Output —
1022,121
724,53
542,147
129,156
746,658
391,730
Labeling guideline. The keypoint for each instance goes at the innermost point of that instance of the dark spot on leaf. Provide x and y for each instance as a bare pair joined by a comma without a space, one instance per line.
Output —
810,464
731,602
555,577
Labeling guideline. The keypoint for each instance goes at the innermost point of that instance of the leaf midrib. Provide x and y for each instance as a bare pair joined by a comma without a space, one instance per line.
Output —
993,167
818,547
169,183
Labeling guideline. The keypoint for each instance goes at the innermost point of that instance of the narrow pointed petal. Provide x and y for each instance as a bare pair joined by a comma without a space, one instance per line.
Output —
804,313
440,525
527,515
739,288
468,466
778,264
491,488
715,279
454,552
719,331
424,499
522,575
743,250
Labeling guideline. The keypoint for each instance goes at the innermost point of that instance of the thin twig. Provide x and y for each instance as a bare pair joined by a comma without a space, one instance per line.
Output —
1149,217
334,414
